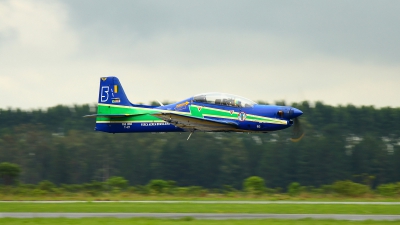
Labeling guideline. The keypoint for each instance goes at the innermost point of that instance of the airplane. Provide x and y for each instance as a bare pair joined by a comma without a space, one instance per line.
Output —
208,112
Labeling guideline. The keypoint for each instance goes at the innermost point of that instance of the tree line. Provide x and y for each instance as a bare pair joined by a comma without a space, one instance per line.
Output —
360,144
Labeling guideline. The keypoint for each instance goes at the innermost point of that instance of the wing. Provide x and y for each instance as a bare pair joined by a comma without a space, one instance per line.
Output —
113,115
191,123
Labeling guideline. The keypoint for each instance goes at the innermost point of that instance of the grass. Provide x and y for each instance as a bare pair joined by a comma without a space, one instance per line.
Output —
201,208
239,196
184,221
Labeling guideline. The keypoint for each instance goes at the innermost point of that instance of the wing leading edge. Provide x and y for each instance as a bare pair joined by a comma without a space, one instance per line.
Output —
113,115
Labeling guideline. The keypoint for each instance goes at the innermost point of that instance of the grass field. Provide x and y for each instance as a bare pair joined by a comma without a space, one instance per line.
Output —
211,197
184,221
201,208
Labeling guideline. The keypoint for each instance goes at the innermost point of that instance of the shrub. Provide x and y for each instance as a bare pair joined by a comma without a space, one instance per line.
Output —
270,191
143,190
94,188
27,186
317,191
117,182
9,172
349,188
388,190
46,186
158,186
227,189
182,191
254,185
197,190
132,189
73,188
294,189
37,192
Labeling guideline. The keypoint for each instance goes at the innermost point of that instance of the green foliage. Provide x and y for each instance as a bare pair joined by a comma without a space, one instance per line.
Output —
327,189
349,188
46,186
27,186
38,192
294,188
9,172
142,189
94,188
196,191
228,190
341,142
158,186
389,190
117,182
73,188
254,185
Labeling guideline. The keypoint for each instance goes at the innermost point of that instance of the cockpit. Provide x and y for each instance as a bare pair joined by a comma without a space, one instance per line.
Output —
223,99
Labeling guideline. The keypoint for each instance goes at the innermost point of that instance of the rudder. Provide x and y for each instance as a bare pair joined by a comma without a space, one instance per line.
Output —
111,92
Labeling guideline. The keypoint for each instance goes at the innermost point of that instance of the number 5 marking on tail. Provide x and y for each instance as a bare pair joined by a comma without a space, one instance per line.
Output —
104,93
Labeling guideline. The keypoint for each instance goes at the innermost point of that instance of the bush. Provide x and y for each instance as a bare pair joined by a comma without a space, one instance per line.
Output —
294,189
349,188
254,185
197,190
117,182
73,188
270,191
143,190
9,172
94,188
158,186
46,186
228,190
389,190
132,189
317,191
38,192
182,191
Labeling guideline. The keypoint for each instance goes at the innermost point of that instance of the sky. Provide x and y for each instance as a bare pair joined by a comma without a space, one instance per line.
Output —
338,52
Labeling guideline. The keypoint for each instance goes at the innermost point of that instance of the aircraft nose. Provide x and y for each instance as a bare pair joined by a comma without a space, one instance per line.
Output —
297,112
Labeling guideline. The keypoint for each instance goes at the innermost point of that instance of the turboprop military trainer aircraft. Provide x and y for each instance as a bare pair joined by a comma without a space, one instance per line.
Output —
208,112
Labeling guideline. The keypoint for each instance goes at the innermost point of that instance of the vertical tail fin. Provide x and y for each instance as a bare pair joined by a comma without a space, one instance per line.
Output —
111,92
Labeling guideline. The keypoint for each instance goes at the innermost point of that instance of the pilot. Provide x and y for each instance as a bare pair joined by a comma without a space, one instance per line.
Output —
237,103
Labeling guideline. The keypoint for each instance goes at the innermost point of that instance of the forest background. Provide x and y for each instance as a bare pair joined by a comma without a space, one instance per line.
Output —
361,144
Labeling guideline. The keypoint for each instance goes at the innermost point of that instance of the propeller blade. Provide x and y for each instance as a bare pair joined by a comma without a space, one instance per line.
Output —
298,132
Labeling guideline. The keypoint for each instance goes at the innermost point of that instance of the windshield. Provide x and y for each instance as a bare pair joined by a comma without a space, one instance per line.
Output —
223,99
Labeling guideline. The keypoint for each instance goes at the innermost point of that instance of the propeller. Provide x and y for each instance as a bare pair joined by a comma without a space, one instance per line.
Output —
298,132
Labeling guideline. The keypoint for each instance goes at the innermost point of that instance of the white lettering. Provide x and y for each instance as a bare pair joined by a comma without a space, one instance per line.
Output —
104,93
154,124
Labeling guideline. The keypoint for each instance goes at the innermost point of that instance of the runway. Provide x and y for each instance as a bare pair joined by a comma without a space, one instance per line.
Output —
216,202
203,216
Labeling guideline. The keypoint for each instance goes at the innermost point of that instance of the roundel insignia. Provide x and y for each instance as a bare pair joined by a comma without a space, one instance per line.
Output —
242,116
104,78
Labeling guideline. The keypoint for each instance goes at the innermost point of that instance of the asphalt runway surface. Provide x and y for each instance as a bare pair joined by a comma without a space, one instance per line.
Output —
204,216
218,202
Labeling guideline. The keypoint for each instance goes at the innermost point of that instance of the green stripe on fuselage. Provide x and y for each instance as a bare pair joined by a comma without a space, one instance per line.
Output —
201,111
195,111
